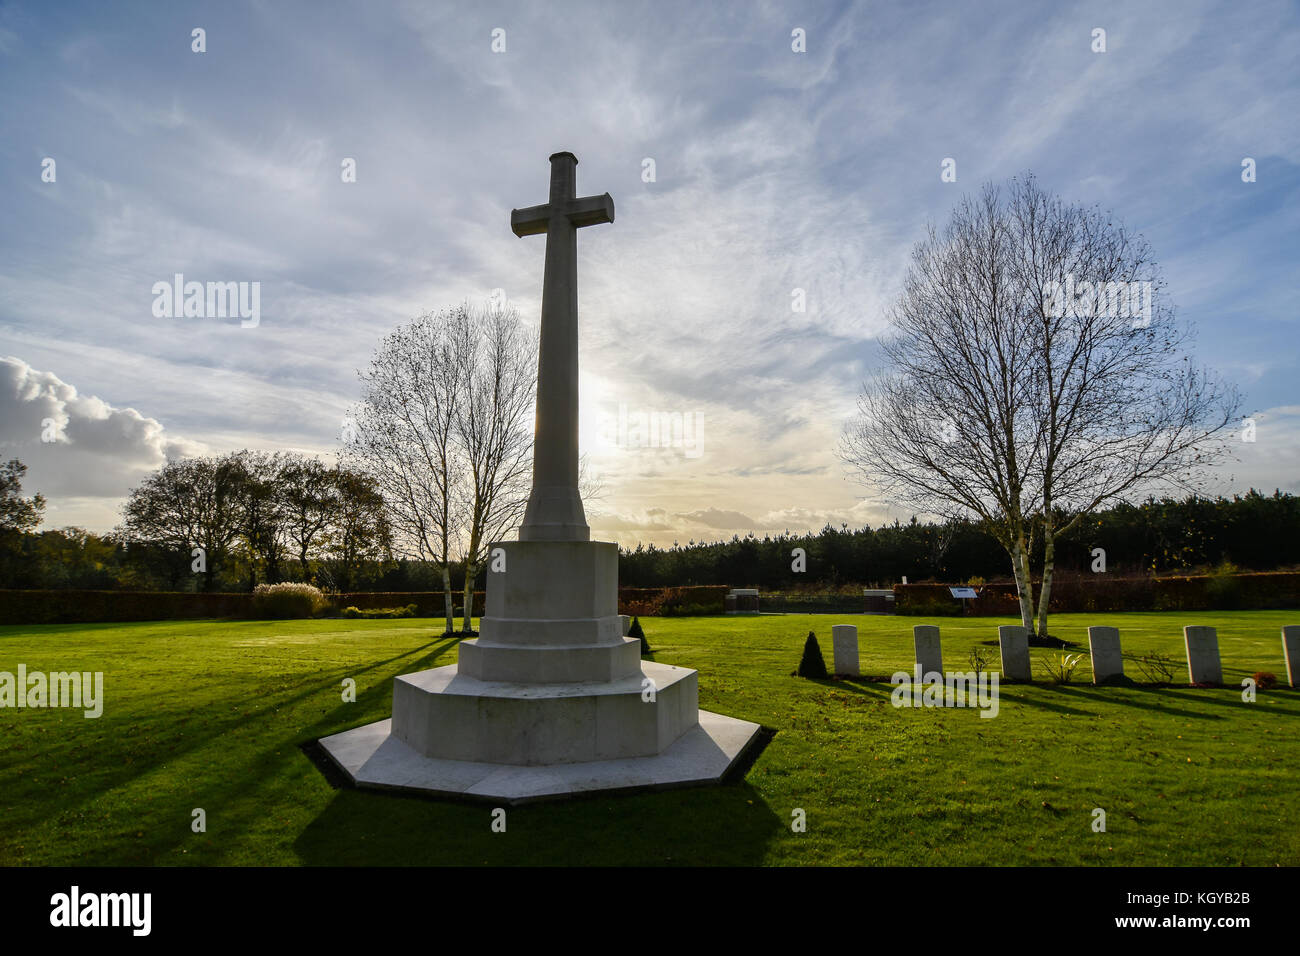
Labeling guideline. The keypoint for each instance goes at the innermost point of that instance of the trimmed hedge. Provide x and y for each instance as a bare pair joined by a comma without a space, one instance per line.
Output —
667,602
1268,590
427,603
73,607
79,607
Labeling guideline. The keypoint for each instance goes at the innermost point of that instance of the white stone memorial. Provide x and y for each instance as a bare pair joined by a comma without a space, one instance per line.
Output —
1202,644
1103,647
1291,653
929,656
844,642
1013,642
552,699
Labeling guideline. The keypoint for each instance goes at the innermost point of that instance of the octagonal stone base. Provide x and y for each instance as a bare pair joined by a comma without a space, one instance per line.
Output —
374,759
443,713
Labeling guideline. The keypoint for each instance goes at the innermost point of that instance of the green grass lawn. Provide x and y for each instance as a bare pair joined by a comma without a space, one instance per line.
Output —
211,714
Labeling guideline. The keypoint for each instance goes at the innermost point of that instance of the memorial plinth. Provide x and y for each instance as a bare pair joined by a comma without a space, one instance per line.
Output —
551,699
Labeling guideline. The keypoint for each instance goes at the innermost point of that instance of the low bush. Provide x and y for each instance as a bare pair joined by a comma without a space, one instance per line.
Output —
668,602
379,612
288,599
928,607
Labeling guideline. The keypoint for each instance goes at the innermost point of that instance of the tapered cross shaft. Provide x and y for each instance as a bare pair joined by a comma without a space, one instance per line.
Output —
554,511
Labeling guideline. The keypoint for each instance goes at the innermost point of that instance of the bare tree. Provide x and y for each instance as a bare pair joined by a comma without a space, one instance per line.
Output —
498,382
404,439
1034,374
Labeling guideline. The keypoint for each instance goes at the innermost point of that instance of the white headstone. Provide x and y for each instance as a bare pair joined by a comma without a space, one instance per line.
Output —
1291,652
1103,645
929,658
625,623
844,640
1013,642
1202,645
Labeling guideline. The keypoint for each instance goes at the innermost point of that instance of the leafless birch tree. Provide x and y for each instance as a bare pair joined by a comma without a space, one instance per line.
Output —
498,382
404,438
1033,374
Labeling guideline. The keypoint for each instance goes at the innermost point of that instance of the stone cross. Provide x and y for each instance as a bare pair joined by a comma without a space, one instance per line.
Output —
554,511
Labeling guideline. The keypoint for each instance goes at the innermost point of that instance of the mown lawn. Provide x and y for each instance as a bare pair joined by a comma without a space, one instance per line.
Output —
211,715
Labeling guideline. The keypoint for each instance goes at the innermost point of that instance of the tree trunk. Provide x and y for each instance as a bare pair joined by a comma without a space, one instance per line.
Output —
1024,584
446,594
469,593
1045,589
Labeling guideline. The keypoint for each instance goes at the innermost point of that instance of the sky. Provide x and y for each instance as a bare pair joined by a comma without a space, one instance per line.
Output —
773,170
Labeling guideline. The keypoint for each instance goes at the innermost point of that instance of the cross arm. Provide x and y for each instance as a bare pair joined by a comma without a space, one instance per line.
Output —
591,210
588,211
531,221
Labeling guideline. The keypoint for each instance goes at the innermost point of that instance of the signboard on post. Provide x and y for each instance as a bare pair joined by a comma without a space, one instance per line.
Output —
963,594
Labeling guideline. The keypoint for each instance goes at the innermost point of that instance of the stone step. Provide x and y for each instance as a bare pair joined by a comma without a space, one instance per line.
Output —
550,663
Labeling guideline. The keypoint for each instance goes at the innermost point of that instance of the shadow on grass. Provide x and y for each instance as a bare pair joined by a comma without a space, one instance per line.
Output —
1130,699
725,825
107,778
866,686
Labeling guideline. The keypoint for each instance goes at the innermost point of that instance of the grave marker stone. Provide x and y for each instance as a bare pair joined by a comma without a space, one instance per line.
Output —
1202,644
1107,663
844,641
929,657
1013,642
1291,652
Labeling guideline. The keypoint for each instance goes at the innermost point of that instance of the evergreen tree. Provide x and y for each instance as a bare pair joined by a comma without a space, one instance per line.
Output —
635,631
812,665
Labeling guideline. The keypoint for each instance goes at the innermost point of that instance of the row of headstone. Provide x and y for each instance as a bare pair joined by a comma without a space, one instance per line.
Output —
1201,643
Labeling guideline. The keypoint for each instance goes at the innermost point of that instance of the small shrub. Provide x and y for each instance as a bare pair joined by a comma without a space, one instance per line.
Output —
288,599
812,664
1264,680
636,631
1061,668
1157,668
979,661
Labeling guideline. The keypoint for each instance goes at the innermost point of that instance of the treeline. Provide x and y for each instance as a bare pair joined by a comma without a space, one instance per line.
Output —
227,523
1251,531
212,524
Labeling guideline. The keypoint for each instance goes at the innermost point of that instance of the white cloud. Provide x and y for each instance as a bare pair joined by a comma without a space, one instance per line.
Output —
98,451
